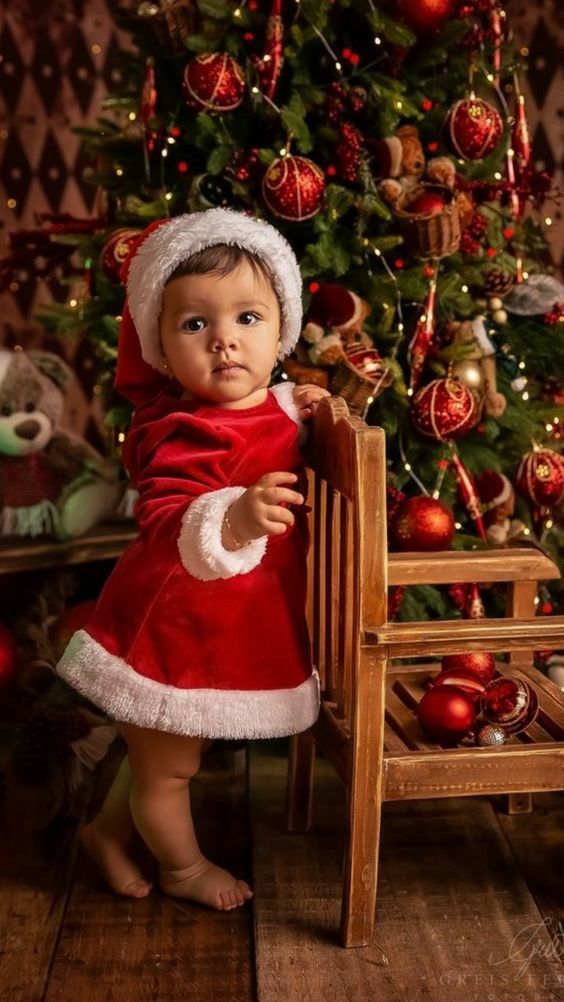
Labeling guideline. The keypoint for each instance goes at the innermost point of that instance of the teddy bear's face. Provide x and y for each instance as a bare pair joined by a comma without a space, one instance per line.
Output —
413,156
28,409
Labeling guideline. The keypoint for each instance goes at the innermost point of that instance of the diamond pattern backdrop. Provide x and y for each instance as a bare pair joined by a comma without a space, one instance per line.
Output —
57,60
538,26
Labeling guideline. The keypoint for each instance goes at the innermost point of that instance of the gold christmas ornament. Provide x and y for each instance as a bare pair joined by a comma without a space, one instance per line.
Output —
470,374
499,317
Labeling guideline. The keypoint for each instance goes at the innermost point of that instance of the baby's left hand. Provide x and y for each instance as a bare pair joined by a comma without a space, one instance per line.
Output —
307,397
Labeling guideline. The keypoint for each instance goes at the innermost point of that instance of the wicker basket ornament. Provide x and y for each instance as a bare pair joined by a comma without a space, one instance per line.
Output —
360,376
429,235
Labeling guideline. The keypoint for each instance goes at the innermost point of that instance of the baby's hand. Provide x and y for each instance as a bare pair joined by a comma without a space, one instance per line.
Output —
260,510
307,397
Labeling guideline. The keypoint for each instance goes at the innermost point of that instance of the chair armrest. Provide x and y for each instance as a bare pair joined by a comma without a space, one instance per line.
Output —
458,636
468,566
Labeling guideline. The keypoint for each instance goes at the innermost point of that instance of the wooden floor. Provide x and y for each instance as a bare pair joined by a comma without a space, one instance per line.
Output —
470,904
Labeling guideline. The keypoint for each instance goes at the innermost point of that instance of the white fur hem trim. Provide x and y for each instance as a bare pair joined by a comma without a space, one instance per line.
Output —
113,685
201,551
172,243
284,393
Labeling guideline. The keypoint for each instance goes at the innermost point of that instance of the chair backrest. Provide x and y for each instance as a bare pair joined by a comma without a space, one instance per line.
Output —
347,573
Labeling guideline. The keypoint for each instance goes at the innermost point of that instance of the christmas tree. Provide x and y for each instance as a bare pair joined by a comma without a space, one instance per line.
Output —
389,143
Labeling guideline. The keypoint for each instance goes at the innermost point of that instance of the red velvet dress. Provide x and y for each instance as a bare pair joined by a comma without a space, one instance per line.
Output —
187,636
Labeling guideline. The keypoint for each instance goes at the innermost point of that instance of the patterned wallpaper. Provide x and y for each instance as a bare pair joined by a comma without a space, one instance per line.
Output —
57,60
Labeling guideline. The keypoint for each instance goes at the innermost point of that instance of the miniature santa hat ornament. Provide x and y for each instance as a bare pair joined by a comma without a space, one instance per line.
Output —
494,488
167,243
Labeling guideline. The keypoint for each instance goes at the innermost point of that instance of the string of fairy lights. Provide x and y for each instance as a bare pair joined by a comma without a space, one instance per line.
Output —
493,77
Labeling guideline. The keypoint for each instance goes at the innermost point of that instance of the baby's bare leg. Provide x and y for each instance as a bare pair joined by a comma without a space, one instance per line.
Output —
162,765
109,837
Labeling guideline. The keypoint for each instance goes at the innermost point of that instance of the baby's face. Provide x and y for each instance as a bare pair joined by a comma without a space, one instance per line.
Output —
207,321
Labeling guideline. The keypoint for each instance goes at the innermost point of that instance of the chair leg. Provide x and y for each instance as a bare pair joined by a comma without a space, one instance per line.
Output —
364,802
299,790
519,803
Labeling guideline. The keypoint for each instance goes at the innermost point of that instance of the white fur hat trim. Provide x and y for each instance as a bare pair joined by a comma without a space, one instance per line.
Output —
172,243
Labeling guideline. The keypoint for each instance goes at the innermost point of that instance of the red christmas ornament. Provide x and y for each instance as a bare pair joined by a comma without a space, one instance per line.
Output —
479,663
426,16
293,188
269,69
510,702
444,409
148,102
8,657
465,680
446,713
423,524
214,82
429,203
423,335
540,478
472,128
115,251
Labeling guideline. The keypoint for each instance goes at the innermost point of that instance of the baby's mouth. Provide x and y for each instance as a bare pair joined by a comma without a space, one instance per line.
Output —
226,366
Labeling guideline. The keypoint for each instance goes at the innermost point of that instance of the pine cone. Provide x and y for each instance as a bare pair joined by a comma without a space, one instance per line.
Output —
497,282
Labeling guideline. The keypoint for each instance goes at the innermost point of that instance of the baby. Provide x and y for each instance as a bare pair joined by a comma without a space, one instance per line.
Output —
200,631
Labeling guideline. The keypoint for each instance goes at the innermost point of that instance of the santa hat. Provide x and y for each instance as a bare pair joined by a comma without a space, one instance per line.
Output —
334,306
166,243
493,489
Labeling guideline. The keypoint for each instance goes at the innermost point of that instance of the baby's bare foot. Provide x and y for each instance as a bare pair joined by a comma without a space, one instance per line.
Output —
111,855
207,883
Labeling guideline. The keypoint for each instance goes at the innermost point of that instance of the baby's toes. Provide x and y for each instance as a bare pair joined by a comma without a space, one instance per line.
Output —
244,888
226,901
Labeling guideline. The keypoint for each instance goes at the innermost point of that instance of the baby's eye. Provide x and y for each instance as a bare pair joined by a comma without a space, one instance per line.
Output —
189,325
249,314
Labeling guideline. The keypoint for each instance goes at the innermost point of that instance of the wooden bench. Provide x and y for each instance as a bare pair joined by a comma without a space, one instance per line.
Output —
367,725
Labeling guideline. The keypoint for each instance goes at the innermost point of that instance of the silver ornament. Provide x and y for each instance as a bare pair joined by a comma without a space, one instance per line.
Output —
491,736
537,294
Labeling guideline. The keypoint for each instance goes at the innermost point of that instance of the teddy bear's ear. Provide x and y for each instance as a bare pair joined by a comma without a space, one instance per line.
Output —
52,366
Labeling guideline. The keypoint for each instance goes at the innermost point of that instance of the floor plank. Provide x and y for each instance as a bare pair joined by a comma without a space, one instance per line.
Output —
117,950
537,841
453,909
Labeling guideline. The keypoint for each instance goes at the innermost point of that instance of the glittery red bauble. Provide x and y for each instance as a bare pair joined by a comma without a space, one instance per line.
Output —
472,128
464,680
426,16
71,620
115,251
510,702
293,188
423,524
429,203
540,478
8,656
214,82
444,409
446,713
481,664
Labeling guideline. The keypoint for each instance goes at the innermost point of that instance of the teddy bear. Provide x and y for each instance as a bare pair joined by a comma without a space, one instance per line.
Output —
473,333
334,329
334,319
52,481
399,162
497,501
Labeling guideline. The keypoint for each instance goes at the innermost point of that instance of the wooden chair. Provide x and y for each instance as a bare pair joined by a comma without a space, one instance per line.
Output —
367,725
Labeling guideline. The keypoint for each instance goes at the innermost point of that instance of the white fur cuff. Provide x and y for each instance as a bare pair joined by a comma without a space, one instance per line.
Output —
284,393
201,550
